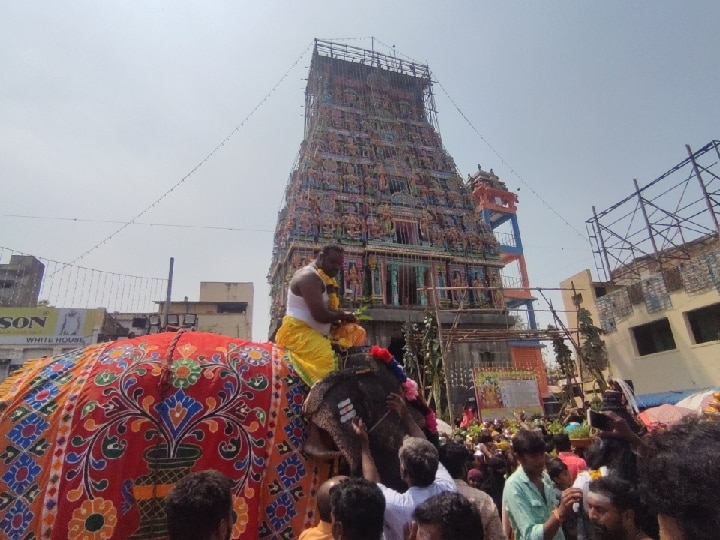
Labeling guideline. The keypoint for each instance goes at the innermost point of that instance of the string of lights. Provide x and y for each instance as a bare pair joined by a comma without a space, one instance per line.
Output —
27,278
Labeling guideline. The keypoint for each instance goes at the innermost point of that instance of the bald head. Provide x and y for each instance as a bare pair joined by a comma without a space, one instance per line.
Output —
323,497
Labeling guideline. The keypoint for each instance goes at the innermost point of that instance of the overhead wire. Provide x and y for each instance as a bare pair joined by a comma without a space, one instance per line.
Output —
175,225
198,166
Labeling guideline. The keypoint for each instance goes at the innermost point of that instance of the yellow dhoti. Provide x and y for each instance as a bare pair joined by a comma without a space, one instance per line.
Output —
309,351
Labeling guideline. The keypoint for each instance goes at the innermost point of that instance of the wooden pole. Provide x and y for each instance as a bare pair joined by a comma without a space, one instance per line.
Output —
169,293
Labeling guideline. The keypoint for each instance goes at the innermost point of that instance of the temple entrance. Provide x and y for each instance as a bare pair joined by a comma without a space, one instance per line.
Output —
407,286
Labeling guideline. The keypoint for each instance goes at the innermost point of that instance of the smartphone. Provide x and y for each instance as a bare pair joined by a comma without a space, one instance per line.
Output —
599,420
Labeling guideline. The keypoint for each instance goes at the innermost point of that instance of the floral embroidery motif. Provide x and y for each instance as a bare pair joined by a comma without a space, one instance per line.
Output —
22,473
240,511
17,520
26,432
94,520
281,511
255,356
291,470
41,396
186,372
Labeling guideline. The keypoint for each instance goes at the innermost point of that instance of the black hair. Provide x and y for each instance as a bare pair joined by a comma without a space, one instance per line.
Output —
623,494
614,454
555,467
196,505
485,438
681,477
359,506
528,442
497,463
326,250
562,442
455,514
455,456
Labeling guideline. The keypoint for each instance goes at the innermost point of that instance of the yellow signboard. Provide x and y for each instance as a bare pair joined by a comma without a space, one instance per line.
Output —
26,326
502,392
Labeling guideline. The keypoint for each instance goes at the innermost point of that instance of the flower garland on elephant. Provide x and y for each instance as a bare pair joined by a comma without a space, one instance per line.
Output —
409,386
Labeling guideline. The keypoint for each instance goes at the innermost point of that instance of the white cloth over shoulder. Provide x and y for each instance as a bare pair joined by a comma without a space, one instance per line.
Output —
297,308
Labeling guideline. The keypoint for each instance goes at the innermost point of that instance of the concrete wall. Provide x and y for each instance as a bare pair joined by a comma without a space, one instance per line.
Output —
689,366
224,291
234,325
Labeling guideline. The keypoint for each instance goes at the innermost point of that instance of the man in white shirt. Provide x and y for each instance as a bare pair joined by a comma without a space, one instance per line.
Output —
420,468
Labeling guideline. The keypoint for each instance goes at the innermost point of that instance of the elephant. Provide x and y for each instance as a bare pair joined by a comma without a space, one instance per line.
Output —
92,441
360,390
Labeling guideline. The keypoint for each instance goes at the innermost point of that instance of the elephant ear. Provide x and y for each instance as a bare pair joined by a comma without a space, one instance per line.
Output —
316,398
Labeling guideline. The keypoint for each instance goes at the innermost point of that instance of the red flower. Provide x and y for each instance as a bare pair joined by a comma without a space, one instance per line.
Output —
431,422
381,354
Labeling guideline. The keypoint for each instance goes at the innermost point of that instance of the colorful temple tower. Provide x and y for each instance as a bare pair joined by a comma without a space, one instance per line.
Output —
372,175
498,207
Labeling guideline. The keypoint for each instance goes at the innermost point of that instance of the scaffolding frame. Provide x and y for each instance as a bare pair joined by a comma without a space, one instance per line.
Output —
657,225
455,334
393,64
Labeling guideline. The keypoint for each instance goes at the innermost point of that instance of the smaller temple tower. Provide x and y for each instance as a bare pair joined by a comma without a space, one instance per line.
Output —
498,207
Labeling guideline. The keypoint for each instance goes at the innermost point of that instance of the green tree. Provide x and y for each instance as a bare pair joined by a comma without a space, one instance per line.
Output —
593,352
566,364
422,357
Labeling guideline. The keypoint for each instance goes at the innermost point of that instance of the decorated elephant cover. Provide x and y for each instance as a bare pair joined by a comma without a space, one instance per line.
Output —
92,441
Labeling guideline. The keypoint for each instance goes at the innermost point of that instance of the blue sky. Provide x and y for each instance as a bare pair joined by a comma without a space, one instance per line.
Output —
104,106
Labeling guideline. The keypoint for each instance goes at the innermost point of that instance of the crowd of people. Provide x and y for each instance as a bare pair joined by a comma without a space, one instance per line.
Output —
508,481
626,486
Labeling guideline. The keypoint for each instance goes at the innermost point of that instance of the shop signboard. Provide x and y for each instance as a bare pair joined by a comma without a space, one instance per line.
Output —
48,326
502,392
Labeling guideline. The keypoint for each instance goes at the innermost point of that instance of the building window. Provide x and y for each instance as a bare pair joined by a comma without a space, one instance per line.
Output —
653,337
406,232
600,291
705,323
398,185
232,307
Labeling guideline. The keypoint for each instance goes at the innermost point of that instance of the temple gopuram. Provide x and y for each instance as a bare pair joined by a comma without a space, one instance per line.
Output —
373,176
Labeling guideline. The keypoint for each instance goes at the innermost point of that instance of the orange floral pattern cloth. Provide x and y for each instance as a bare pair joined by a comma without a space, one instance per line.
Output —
94,439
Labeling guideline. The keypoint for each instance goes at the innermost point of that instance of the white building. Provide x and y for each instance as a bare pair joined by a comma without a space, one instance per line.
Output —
663,330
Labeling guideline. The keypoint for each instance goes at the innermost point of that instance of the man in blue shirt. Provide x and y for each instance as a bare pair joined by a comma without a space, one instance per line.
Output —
529,496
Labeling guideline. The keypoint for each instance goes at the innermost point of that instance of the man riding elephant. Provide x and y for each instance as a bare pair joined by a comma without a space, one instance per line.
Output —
313,305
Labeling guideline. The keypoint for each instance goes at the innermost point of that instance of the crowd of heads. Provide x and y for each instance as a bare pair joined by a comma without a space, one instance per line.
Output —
674,484
666,491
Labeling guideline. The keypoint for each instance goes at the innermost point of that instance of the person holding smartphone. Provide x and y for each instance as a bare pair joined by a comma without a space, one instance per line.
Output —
529,496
